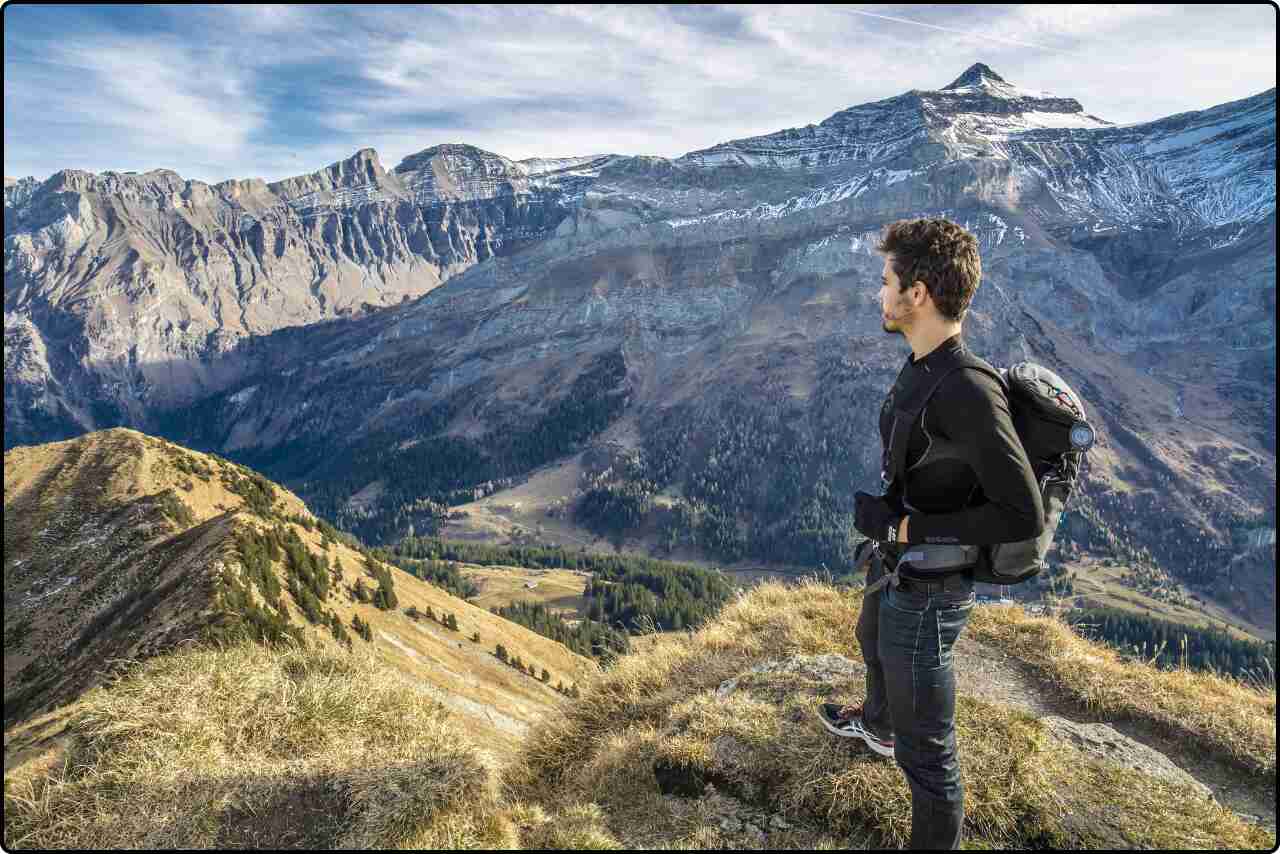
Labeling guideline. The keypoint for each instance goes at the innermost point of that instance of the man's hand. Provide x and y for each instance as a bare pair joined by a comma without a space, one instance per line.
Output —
875,518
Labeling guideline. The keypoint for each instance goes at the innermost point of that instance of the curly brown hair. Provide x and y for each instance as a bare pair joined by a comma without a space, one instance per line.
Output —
939,253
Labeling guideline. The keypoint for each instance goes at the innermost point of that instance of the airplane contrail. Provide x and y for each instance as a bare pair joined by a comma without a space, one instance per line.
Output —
960,32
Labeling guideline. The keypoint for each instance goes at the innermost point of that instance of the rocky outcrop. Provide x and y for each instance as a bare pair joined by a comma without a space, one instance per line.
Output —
1102,740
144,278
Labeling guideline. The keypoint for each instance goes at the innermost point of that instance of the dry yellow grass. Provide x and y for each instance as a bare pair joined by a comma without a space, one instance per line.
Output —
246,746
497,702
320,748
99,521
111,466
658,710
67,505
1226,716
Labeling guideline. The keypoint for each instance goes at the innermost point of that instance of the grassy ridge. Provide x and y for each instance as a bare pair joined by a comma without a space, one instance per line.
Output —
326,748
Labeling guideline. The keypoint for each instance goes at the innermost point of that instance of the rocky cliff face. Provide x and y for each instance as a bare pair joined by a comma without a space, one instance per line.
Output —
120,288
736,285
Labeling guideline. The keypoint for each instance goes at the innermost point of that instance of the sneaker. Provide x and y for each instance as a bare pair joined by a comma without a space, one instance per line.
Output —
846,721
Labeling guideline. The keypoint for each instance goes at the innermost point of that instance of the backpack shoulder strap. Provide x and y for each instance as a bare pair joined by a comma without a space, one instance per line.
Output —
907,411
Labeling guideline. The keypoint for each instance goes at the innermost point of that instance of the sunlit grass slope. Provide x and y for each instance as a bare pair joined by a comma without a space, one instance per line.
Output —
248,747
323,748
659,710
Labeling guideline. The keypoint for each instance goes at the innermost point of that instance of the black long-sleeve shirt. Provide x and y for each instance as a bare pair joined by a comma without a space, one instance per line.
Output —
989,496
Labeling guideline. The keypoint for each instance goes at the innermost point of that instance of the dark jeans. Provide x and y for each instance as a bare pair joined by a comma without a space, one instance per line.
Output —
906,637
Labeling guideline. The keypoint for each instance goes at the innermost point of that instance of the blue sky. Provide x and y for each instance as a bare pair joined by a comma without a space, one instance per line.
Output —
216,92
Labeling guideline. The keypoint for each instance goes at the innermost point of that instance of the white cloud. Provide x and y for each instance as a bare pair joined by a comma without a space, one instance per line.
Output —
268,17
161,97
560,80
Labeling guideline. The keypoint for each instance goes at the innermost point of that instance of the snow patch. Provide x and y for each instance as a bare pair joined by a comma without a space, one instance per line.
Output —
33,598
852,188
1001,227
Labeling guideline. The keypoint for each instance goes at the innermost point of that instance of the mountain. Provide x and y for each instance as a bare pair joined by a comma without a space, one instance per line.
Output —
121,287
120,546
704,740
708,325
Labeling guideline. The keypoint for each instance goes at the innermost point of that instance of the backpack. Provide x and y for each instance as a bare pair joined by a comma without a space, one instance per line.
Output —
1050,422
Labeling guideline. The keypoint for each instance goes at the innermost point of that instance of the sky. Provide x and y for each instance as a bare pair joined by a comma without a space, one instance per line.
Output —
218,92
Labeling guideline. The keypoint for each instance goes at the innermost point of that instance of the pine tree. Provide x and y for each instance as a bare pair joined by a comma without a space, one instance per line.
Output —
501,652
385,598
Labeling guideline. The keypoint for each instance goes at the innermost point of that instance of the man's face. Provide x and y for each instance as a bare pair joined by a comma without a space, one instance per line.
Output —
896,311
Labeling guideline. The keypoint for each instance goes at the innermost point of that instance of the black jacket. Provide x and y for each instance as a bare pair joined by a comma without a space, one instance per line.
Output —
989,497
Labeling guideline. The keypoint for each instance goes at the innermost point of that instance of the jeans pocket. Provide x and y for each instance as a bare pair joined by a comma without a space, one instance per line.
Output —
951,620
955,600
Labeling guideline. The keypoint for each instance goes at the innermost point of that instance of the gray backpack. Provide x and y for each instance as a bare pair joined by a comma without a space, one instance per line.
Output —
1050,421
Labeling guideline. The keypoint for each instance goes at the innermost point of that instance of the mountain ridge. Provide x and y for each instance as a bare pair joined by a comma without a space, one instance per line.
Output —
1125,259
158,534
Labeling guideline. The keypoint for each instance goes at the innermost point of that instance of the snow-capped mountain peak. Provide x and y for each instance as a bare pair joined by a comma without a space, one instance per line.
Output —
979,81
977,74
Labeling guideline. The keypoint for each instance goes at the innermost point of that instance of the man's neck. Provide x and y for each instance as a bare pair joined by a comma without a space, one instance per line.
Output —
925,341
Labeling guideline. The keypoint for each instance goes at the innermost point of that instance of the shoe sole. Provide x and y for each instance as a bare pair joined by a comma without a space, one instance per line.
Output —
843,733
875,746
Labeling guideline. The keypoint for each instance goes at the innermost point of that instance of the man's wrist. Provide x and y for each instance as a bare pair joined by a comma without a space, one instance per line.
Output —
902,528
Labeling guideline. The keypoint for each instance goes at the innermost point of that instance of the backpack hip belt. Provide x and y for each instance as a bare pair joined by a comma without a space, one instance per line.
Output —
935,558
927,558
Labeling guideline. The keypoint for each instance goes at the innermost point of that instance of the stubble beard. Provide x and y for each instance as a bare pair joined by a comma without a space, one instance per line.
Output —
893,325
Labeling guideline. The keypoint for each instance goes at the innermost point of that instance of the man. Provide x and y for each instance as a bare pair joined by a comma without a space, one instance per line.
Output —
982,491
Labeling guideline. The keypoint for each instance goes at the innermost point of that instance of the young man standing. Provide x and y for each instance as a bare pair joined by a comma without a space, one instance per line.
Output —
966,481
